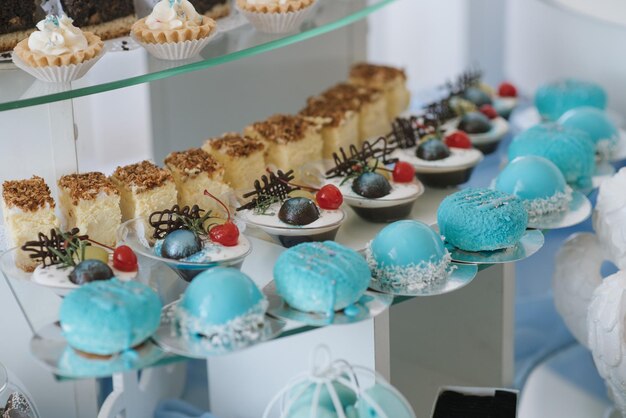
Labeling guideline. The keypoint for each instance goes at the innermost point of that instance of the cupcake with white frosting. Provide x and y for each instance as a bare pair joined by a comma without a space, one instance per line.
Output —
275,16
58,51
174,30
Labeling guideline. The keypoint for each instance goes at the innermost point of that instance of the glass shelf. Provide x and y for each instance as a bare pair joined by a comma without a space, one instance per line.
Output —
602,11
237,40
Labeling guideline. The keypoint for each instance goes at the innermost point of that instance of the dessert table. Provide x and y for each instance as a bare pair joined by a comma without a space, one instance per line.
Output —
464,337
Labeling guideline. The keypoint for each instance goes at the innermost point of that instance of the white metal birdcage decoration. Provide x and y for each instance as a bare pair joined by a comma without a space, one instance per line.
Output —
326,373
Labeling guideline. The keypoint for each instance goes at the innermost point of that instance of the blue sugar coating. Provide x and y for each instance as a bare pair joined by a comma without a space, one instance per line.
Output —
595,122
304,276
109,316
531,178
554,99
571,150
482,219
406,243
218,295
387,400
304,398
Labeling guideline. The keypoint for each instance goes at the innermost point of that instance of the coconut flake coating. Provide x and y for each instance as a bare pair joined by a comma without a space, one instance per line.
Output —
482,219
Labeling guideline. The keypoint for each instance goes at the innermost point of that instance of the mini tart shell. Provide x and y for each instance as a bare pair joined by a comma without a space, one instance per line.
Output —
39,59
187,33
290,6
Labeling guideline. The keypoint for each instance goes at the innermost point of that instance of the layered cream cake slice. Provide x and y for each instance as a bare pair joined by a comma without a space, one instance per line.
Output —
291,140
339,120
144,188
27,209
91,203
242,157
391,80
195,171
372,106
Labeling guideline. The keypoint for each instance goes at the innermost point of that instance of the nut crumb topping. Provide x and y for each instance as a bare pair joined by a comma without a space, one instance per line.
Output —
29,195
143,176
193,162
283,129
376,73
86,186
236,145
351,94
334,111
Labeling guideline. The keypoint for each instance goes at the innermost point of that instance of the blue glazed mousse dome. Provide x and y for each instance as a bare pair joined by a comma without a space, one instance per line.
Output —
218,295
222,307
554,99
408,254
571,150
538,182
321,276
110,316
479,219
596,123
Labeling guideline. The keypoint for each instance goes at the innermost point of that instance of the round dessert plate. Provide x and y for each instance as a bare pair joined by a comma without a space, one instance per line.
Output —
51,349
529,244
11,271
170,337
461,275
401,193
396,205
452,171
132,233
460,159
579,210
56,282
499,128
287,235
369,306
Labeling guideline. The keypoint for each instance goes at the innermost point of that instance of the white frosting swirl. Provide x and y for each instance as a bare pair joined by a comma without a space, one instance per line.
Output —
56,36
173,14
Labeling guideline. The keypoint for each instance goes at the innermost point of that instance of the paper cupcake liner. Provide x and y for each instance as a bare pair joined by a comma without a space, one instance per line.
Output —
173,51
58,74
277,22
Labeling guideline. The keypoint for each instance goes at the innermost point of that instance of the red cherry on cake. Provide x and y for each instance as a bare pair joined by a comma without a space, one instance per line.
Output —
124,259
227,233
507,90
458,139
329,197
403,172
489,111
